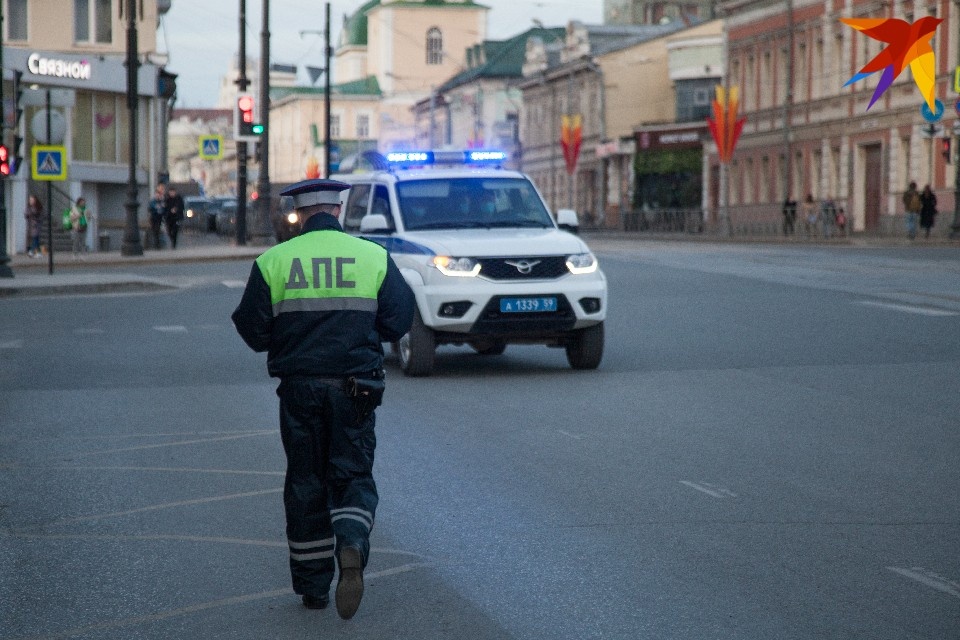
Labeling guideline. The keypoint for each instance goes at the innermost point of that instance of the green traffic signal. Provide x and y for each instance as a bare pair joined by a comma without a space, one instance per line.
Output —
257,129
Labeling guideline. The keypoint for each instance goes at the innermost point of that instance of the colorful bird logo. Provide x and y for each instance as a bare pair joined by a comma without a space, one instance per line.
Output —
908,43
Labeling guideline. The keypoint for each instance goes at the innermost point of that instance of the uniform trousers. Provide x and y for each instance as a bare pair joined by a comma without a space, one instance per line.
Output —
329,494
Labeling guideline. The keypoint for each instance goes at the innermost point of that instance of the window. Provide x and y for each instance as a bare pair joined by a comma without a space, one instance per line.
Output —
357,202
434,46
92,17
334,125
16,19
701,97
363,125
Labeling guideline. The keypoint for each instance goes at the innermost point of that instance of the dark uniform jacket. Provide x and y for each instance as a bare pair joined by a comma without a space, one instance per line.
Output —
321,303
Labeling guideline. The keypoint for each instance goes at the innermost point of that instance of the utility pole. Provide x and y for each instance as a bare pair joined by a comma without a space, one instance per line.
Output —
5,270
327,51
955,226
261,228
242,83
131,234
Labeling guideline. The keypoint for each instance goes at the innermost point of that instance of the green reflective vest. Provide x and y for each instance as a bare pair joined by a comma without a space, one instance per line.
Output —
324,271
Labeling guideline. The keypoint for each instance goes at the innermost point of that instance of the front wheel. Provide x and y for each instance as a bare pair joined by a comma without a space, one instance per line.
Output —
585,348
417,348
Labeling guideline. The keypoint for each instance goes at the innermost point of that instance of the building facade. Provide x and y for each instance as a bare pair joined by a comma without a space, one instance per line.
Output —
806,133
617,78
77,51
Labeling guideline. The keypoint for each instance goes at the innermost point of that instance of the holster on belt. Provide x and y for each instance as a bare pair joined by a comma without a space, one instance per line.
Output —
367,392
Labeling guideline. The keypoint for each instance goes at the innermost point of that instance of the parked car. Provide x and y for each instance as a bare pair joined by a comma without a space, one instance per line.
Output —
286,221
195,215
225,208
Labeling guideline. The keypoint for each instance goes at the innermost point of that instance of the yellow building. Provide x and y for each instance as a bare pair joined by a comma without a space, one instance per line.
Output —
392,54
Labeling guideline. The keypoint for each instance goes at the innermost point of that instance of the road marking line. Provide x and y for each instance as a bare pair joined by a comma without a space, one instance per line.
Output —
709,489
88,332
930,579
570,435
173,328
173,470
279,544
11,344
166,505
173,444
202,606
235,284
907,308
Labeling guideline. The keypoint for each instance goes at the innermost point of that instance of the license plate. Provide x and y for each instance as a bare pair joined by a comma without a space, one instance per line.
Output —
527,305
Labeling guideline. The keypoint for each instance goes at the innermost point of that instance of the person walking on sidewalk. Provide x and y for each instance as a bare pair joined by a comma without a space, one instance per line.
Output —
79,221
320,305
158,205
912,205
809,208
34,216
928,209
173,214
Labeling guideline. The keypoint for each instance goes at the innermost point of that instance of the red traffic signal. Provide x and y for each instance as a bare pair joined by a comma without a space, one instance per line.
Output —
245,126
4,160
945,147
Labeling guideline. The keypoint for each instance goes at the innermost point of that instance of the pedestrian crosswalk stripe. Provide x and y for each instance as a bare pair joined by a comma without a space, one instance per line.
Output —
234,284
11,344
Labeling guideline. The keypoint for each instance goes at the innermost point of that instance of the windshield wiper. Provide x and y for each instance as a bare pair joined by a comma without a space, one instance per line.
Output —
518,223
463,224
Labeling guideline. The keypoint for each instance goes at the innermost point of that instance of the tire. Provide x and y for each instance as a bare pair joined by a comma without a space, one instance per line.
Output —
417,348
585,349
489,347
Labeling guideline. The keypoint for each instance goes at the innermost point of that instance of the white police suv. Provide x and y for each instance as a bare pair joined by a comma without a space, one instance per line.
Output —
485,259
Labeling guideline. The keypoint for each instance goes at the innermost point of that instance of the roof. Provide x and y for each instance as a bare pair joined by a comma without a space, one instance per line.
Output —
354,32
613,37
500,58
364,87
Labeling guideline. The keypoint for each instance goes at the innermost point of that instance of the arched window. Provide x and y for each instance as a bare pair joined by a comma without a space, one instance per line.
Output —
434,46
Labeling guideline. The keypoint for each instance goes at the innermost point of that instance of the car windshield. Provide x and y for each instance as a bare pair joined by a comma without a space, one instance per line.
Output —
470,203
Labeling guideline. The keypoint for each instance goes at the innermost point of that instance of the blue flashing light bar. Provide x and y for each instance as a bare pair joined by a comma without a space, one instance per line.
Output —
486,156
410,157
448,158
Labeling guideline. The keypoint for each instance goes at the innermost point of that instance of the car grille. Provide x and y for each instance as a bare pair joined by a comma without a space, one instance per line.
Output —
540,268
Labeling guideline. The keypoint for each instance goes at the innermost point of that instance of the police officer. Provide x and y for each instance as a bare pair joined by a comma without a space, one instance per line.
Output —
320,304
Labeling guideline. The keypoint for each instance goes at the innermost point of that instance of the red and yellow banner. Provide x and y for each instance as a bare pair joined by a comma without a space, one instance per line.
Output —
725,126
571,137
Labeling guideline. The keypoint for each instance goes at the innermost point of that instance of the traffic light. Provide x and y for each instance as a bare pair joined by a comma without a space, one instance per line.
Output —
945,148
245,125
4,161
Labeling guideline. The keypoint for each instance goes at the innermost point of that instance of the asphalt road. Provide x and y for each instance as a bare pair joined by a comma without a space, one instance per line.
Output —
768,450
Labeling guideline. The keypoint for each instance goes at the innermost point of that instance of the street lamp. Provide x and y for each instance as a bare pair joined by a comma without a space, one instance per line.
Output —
327,52
131,235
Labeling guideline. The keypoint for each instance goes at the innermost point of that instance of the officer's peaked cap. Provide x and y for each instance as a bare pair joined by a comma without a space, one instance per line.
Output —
317,191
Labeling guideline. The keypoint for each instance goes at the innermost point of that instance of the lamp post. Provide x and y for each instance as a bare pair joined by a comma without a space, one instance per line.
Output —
261,231
131,235
955,226
327,53
242,82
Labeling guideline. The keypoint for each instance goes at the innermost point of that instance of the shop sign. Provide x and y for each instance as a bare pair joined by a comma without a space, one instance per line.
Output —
58,68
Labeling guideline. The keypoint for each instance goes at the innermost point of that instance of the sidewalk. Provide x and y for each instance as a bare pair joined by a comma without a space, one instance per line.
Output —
103,271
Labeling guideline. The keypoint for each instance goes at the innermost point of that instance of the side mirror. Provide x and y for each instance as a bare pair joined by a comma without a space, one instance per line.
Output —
374,223
567,220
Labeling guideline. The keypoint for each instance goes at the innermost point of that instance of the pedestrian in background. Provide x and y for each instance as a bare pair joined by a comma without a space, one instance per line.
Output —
158,205
842,221
34,215
809,215
928,209
912,205
173,214
79,221
789,216
828,216
320,305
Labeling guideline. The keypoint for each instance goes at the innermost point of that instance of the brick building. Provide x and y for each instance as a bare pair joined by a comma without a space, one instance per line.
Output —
806,133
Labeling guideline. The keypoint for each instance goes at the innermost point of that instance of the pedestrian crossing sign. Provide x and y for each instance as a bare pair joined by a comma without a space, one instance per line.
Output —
49,162
211,147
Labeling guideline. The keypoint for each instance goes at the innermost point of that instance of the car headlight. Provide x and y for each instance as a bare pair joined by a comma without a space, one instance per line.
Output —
459,267
581,263
189,213
293,218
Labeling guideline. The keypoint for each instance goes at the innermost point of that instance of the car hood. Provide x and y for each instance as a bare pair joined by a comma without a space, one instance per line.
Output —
497,242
